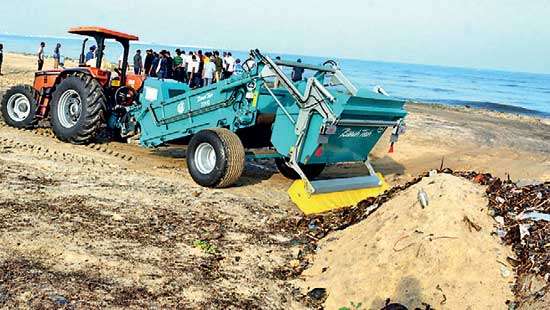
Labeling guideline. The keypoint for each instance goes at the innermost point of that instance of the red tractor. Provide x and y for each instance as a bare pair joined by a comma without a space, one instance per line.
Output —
77,100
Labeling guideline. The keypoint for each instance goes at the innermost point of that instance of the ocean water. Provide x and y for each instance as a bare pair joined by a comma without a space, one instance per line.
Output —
515,92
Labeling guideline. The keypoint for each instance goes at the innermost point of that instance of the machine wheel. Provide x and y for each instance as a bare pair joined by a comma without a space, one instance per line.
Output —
19,106
311,171
77,109
215,157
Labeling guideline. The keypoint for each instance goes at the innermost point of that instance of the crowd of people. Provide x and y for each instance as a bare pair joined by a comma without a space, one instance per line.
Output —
194,68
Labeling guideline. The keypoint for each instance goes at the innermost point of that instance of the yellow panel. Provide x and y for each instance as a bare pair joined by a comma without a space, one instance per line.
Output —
318,203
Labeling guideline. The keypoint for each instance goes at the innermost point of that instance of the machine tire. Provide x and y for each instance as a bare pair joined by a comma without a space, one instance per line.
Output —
92,109
228,164
311,171
20,92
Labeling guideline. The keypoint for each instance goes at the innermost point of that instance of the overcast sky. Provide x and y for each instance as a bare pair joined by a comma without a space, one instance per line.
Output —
499,34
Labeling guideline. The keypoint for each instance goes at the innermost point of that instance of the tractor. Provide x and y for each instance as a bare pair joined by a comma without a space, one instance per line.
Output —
77,100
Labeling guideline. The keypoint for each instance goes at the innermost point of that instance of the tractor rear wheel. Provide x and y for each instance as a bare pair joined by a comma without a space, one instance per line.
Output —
77,109
215,158
19,106
311,171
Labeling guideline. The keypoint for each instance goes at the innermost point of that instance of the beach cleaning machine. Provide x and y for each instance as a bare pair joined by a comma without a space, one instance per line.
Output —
306,125
303,125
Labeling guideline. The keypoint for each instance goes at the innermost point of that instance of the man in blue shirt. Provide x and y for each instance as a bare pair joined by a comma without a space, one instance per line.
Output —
91,53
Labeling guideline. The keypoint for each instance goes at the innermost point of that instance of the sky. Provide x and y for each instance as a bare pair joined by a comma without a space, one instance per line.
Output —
496,34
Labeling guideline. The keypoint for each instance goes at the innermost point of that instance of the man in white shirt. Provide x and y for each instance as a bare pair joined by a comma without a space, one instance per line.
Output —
192,71
230,65
187,64
209,71
41,56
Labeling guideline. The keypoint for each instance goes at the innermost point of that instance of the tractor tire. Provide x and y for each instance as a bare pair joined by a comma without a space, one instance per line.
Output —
19,106
215,158
77,109
311,171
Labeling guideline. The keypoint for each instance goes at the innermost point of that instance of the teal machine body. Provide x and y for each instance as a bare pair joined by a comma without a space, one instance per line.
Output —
323,119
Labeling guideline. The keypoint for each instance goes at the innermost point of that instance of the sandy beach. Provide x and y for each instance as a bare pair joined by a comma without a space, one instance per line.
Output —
118,225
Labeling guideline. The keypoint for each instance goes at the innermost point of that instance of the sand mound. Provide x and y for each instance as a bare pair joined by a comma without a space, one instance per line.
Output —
443,255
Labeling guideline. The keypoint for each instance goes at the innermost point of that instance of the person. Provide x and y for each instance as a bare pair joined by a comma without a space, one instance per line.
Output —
162,67
56,55
297,73
224,64
277,81
138,62
62,61
178,61
120,61
154,65
194,77
219,65
148,61
169,65
188,62
238,67
90,54
40,56
230,65
209,71
1,57
186,59
200,59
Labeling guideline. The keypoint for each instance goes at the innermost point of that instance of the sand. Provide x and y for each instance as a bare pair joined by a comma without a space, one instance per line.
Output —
115,225
418,256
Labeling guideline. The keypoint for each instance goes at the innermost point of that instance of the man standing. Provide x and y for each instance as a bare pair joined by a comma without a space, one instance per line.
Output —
297,73
56,56
178,61
1,57
148,61
154,65
169,65
230,65
209,71
138,62
219,66
163,65
192,70
188,64
41,56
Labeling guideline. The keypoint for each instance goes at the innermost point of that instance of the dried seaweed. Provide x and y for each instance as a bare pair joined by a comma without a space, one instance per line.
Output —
507,200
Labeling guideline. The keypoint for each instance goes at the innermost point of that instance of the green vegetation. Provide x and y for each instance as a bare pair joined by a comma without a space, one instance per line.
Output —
205,246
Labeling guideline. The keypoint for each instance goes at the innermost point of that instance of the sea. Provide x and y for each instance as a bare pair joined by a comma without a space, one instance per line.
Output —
504,91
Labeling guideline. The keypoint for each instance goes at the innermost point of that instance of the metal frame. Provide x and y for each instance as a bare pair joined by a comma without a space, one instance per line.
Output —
100,41
314,98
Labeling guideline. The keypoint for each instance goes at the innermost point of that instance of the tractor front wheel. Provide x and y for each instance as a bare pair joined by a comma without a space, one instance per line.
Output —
77,109
311,171
215,158
19,106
